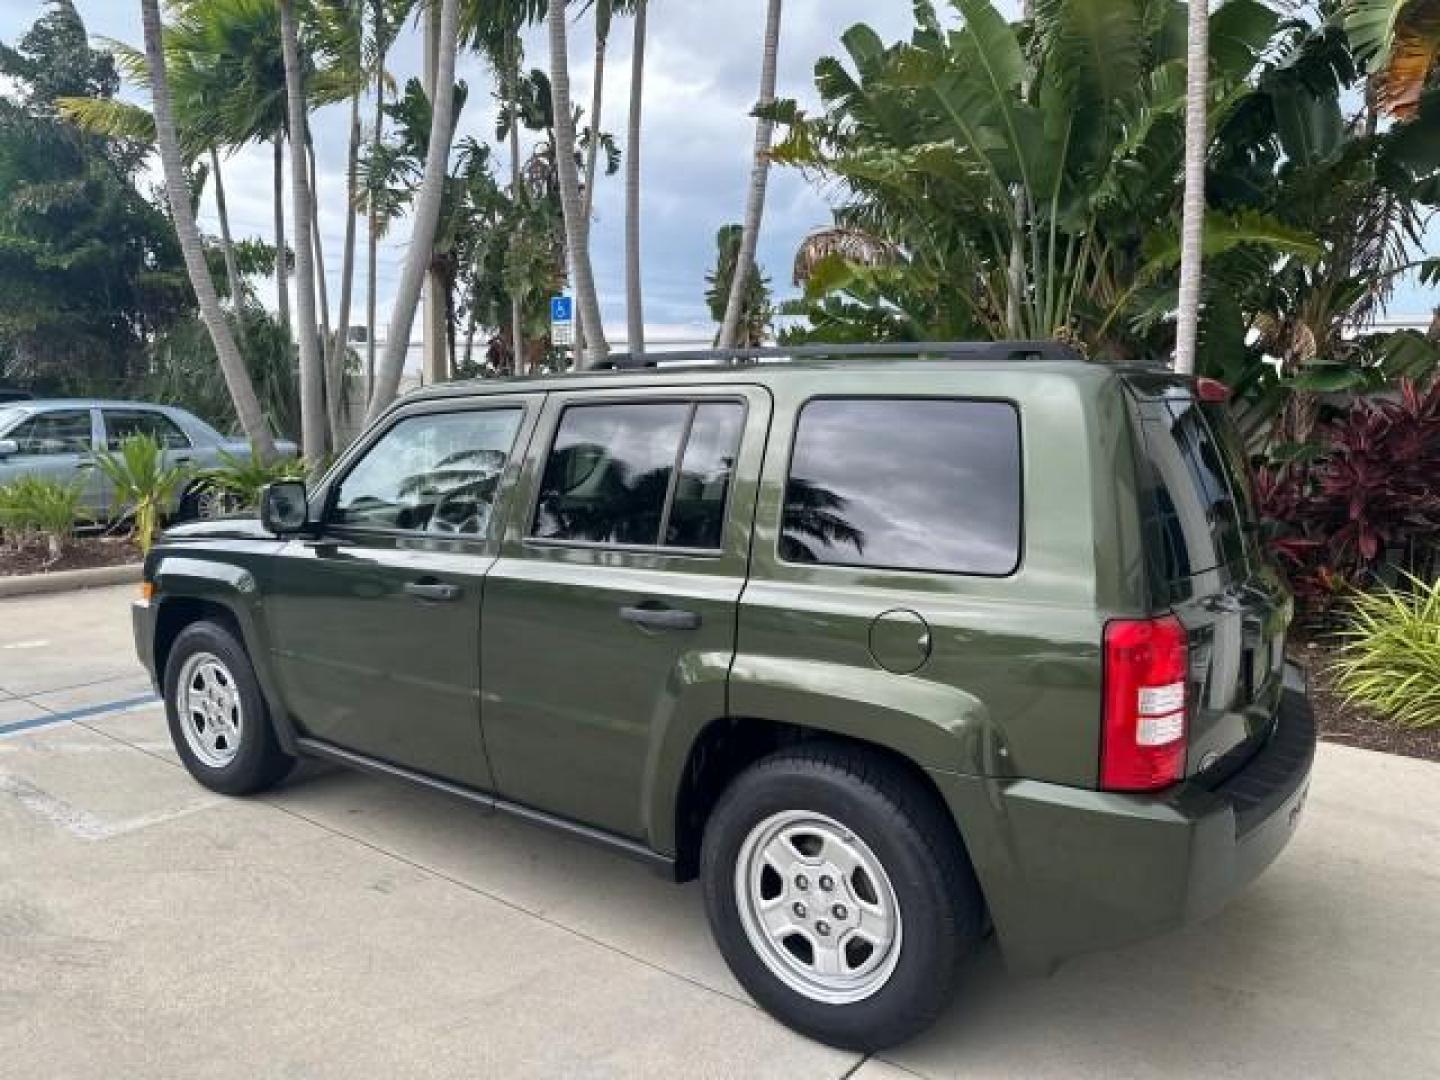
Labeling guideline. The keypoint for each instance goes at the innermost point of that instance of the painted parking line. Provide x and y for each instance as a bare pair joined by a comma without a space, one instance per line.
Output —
51,719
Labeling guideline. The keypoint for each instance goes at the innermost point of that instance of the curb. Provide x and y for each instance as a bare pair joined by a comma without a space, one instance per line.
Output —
66,580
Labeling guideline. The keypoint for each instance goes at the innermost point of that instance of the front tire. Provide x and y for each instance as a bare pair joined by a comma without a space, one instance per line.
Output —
219,722
840,894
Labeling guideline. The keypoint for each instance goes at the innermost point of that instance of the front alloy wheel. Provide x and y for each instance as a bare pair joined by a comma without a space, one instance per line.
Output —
218,718
212,717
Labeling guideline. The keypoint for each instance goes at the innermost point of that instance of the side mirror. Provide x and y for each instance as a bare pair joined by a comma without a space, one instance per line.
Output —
8,448
284,510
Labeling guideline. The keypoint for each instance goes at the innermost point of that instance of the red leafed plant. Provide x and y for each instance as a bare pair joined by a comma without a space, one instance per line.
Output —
1373,490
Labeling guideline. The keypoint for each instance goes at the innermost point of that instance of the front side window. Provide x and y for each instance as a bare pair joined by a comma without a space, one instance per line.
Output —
611,476
64,431
432,474
905,484
122,424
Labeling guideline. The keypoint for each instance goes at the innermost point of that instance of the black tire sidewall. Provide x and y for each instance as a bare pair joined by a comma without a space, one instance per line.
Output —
935,934
258,764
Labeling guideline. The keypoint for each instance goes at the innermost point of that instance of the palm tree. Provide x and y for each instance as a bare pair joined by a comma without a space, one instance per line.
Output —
192,102
759,175
1401,40
604,13
427,214
312,385
576,238
341,29
757,313
1192,222
494,29
232,364
634,303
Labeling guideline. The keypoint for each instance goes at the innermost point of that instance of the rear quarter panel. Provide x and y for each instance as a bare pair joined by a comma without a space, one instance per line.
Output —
1012,684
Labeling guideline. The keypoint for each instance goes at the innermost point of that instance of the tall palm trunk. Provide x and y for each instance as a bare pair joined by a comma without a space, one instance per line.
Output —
282,257
322,283
603,11
312,380
232,364
759,176
433,294
517,301
372,235
596,347
339,340
426,216
227,244
634,302
1192,224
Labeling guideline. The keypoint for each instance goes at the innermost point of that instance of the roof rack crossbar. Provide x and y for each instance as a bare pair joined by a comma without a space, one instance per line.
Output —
950,350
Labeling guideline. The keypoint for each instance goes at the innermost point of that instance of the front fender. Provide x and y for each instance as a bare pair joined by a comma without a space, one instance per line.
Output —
232,586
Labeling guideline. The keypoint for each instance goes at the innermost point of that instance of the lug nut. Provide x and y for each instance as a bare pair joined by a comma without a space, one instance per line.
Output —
802,882
839,911
827,882
799,910
822,928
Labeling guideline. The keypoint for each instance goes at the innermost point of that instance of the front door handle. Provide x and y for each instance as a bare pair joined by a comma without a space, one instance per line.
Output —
432,590
661,618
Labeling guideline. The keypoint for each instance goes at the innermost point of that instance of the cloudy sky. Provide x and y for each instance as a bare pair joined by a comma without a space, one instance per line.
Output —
702,76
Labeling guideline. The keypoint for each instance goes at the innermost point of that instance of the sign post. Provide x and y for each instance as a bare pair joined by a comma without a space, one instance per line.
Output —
562,321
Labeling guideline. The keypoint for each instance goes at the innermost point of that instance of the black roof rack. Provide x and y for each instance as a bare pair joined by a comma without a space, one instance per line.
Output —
990,351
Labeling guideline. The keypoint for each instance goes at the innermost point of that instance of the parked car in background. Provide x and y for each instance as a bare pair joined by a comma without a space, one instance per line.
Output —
59,439
885,650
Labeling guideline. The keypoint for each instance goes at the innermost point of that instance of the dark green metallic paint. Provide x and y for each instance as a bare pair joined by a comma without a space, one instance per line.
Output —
532,693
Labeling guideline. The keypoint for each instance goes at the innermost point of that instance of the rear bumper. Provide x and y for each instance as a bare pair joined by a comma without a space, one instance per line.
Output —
1068,871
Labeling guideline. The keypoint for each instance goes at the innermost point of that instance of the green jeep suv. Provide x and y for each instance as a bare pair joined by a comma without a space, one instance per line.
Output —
891,647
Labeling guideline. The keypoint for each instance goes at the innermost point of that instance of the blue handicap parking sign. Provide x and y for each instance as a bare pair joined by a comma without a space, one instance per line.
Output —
562,309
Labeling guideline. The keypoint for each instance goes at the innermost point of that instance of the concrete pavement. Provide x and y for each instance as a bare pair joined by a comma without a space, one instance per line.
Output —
351,927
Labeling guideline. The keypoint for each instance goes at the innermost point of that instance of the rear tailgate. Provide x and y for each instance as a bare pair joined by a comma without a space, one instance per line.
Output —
1206,565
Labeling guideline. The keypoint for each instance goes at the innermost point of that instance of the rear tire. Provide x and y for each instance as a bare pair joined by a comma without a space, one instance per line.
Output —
218,718
840,894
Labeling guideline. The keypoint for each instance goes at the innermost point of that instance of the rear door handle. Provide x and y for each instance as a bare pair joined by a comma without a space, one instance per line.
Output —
432,590
661,618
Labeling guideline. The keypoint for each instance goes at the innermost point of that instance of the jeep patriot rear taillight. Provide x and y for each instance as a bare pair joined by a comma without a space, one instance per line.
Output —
1143,742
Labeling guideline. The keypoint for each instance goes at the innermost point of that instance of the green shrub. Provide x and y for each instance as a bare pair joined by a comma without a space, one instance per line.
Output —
245,478
1390,654
35,508
144,484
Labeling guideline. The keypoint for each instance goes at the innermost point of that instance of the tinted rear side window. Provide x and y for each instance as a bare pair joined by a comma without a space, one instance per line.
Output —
1197,507
907,484
611,476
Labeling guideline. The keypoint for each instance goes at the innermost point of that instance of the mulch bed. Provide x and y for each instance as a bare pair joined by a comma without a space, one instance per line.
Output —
1352,725
83,553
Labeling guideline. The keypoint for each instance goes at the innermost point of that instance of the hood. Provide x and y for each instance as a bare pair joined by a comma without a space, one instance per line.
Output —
238,528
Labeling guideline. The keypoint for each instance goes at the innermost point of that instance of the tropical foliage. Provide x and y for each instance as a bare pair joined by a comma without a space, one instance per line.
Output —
757,312
242,479
144,483
37,509
89,267
1363,494
1389,656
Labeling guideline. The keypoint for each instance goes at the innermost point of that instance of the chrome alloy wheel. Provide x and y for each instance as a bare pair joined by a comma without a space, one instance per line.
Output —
818,907
211,716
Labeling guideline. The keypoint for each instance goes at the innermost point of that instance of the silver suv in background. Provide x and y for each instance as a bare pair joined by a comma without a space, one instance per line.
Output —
58,439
